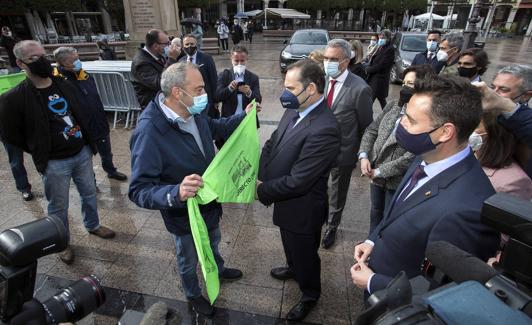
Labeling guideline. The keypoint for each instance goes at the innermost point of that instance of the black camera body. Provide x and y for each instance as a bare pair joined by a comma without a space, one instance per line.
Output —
20,247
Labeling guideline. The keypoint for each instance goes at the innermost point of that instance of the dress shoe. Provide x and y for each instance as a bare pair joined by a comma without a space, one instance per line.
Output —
67,256
103,232
27,196
329,238
230,274
117,175
300,310
282,273
201,306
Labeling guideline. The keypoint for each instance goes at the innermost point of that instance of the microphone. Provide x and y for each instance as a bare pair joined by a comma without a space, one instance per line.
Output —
457,264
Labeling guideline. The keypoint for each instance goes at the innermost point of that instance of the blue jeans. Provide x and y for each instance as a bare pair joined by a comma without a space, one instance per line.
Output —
380,201
15,156
56,179
187,261
104,149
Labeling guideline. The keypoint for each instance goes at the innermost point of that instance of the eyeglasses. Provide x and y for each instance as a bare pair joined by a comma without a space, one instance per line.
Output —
32,58
167,43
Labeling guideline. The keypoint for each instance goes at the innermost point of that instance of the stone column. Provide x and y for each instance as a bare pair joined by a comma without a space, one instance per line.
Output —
350,18
143,15
197,13
281,4
383,19
510,19
529,30
266,3
71,23
447,23
222,9
489,20
106,18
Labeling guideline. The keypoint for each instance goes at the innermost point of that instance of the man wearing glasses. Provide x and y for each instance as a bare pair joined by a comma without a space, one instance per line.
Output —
43,116
149,63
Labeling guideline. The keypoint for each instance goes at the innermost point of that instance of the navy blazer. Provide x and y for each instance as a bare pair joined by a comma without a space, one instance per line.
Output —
421,58
207,68
446,208
229,98
294,168
520,124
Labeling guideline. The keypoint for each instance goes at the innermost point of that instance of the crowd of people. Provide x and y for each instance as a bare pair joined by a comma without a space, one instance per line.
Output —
447,134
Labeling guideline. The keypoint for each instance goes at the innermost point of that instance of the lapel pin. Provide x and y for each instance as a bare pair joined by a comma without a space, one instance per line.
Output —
428,193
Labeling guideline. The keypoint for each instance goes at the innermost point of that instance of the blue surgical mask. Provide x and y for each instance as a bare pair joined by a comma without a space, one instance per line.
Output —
199,104
166,51
372,42
290,101
331,69
432,46
381,42
77,65
417,144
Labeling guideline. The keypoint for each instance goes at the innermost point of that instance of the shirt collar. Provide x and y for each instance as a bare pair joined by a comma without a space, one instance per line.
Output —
310,108
341,78
193,57
148,51
477,79
439,166
169,113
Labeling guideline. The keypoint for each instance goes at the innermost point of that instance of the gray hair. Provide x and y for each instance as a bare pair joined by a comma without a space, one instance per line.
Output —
20,47
177,41
342,44
386,33
61,53
175,76
454,39
520,71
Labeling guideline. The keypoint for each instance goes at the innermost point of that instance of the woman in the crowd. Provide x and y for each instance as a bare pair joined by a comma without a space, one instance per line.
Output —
372,47
379,67
381,158
355,64
472,64
317,56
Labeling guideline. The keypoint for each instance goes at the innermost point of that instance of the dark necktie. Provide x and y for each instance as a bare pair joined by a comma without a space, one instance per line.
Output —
292,123
330,95
190,59
430,56
418,174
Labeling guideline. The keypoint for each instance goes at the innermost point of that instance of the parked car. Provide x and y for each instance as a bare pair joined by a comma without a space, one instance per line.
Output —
406,45
301,43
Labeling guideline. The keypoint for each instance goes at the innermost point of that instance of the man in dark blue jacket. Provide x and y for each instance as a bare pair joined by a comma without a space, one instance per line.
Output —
170,148
69,66
430,55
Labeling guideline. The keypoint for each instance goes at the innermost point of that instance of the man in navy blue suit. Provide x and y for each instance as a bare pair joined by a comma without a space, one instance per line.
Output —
440,196
430,55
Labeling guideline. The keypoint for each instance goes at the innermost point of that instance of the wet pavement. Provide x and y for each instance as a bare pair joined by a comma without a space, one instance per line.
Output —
139,265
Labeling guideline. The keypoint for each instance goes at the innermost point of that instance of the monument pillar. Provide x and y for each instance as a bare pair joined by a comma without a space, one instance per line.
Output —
143,15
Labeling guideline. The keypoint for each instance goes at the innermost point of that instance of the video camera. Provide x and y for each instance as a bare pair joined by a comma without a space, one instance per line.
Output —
20,247
470,291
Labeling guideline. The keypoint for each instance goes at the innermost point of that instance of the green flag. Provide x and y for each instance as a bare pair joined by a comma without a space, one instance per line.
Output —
231,177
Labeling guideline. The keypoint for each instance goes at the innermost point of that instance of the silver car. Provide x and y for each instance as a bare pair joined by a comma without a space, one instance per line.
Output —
406,45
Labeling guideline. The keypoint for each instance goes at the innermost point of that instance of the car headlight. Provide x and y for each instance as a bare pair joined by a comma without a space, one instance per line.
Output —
286,55
405,64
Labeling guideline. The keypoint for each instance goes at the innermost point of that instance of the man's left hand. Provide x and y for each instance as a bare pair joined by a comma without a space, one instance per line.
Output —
250,107
257,189
360,274
245,89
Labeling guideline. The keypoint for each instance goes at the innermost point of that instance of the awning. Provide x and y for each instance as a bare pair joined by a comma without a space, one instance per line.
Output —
427,15
284,13
252,13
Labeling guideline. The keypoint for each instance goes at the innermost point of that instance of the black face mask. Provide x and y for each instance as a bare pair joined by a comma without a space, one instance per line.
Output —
41,67
467,72
404,95
191,50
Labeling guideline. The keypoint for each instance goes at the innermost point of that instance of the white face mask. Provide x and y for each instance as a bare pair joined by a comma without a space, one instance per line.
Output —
442,56
239,69
475,141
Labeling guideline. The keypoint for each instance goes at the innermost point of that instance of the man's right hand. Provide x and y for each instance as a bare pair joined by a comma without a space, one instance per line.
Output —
365,167
362,252
189,187
492,101
233,85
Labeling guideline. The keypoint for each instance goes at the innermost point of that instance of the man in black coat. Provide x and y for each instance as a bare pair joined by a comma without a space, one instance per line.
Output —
430,55
237,33
69,66
149,63
293,172
380,65
207,68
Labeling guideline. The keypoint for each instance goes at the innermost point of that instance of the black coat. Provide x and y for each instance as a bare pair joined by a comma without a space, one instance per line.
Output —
146,76
422,58
358,69
24,120
294,168
237,34
378,70
229,98
92,104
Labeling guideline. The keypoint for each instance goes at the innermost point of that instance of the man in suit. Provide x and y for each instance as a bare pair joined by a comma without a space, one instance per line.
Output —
207,69
379,67
293,171
441,194
431,56
149,63
349,98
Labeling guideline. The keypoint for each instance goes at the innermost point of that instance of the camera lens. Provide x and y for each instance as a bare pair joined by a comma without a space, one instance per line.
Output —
76,301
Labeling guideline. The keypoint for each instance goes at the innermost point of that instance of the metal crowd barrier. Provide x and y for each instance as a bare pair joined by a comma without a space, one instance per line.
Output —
117,95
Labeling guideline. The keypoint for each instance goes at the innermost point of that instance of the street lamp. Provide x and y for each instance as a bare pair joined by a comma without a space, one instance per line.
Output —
470,32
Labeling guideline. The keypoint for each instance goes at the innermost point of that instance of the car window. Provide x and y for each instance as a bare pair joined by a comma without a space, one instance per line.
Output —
309,38
414,43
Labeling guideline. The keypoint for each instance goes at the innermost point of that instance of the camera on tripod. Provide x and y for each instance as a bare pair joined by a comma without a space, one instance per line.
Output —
20,247
468,291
